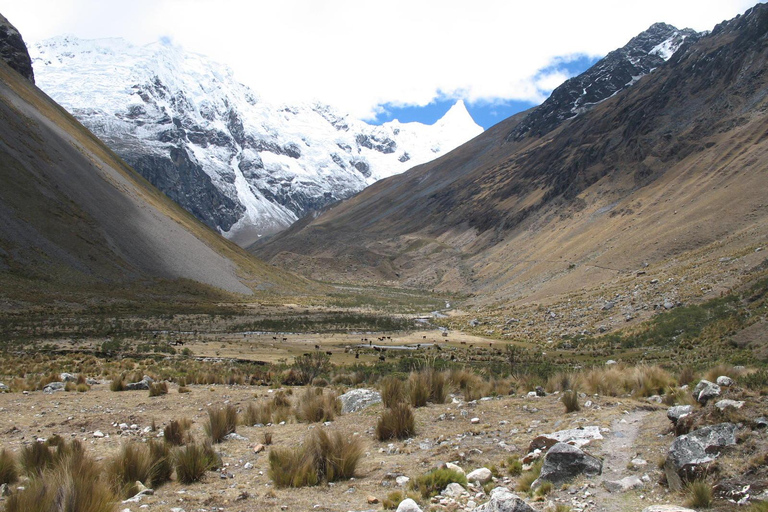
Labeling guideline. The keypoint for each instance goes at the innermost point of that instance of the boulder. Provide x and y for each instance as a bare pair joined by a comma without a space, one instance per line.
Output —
358,399
689,451
408,505
575,436
705,391
53,387
68,377
3,388
564,462
453,490
678,411
724,381
143,384
724,404
503,500
481,475
455,467
625,484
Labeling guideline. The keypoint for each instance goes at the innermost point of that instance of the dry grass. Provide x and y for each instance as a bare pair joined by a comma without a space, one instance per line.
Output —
699,494
221,421
35,458
117,384
325,457
570,400
175,432
433,483
396,422
158,388
132,464
191,462
314,406
392,391
75,484
8,471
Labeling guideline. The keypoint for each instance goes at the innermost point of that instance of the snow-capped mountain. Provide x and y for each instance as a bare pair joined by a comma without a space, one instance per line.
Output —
616,71
243,165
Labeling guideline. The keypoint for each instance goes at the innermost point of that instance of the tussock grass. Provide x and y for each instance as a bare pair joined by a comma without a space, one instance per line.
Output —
314,406
418,389
392,391
570,400
162,463
544,489
35,458
132,464
514,466
432,483
117,384
8,470
699,494
527,478
175,432
267,438
158,388
221,421
396,422
75,484
192,461
325,457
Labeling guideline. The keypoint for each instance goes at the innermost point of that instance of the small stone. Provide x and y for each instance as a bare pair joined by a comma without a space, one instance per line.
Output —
248,465
372,500
259,448
724,381
474,421
98,433
454,467
453,490
480,475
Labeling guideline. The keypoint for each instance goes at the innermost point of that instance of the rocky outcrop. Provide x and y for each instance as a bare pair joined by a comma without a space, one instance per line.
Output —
503,500
358,399
678,411
705,391
13,50
690,451
143,384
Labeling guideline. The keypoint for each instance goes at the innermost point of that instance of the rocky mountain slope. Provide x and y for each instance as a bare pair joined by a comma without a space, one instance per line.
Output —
74,217
240,164
13,51
669,170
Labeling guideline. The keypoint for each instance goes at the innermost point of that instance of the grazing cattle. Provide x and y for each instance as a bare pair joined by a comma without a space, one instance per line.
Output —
382,358
274,338
357,356
423,337
285,339
317,347
329,353
463,342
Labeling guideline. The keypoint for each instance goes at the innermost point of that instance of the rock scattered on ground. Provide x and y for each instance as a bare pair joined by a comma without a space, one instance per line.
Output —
565,462
690,451
358,399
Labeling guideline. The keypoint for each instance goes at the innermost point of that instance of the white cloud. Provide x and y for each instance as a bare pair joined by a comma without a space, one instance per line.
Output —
359,54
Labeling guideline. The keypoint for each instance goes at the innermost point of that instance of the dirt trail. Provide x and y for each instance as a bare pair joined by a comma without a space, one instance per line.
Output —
617,450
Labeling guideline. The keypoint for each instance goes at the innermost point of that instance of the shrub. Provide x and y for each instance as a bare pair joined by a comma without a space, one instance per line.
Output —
8,472
255,414
438,387
315,406
308,366
325,456
158,388
699,494
392,391
397,422
221,421
74,484
82,388
132,464
433,483
392,500
570,399
35,458
191,462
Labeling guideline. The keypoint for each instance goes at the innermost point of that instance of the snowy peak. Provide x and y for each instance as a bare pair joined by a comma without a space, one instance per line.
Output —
618,70
242,165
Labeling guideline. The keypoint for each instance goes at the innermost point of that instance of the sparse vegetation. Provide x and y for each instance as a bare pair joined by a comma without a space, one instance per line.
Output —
528,477
699,494
158,388
570,400
432,483
35,458
314,406
392,391
174,433
132,464
396,422
221,422
8,471
191,462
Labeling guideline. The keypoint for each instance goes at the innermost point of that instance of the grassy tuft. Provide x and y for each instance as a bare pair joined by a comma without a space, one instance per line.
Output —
35,458
8,471
132,464
514,466
392,391
314,406
527,478
117,384
174,432
570,400
191,462
158,388
397,422
221,421
162,463
433,483
699,494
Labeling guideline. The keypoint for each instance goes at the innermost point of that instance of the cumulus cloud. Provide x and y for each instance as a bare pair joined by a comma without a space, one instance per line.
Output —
360,55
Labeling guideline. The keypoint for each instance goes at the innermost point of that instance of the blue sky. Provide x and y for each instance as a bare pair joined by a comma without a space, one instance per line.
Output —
485,113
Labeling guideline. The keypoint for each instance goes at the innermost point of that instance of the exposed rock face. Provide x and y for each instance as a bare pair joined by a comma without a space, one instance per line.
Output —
565,462
502,500
358,399
690,451
13,50
242,165
618,70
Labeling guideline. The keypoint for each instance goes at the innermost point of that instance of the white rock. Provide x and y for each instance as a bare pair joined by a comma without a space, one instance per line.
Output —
481,475
98,433
474,421
408,505
454,467
724,404
402,481
453,490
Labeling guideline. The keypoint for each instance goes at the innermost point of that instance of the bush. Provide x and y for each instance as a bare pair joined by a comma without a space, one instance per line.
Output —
397,422
191,462
308,366
570,399
392,391
35,458
158,388
315,406
329,457
132,464
117,384
75,484
545,488
8,471
433,483
699,494
221,421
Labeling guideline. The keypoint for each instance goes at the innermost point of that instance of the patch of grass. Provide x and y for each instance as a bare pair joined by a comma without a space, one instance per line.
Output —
267,438
175,432
544,489
396,422
527,478
418,389
75,484
314,406
432,483
514,466
392,391
8,470
117,384
221,421
699,494
162,463
757,506
158,388
570,400
35,458
132,464
191,463
326,456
